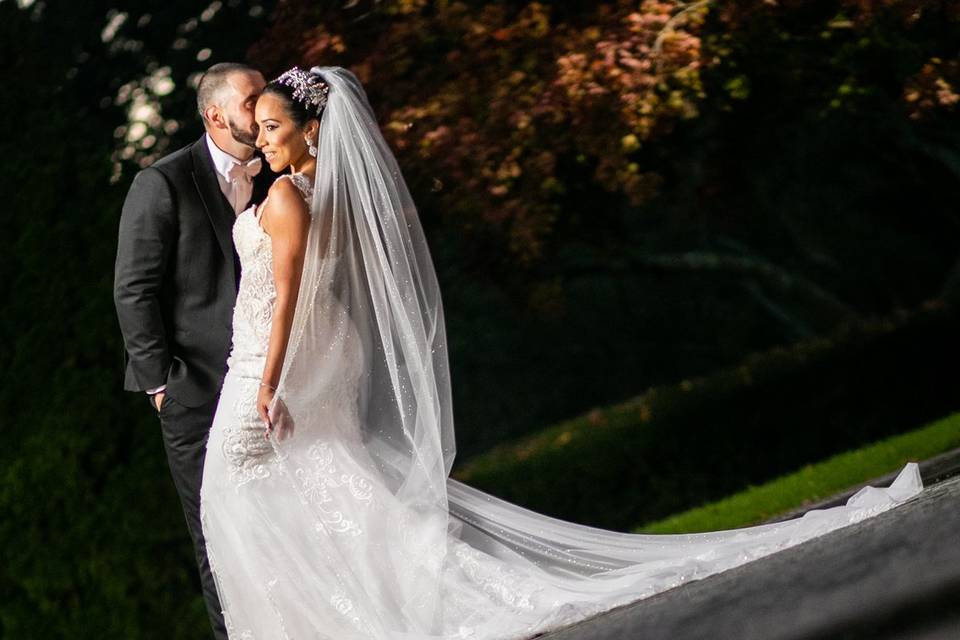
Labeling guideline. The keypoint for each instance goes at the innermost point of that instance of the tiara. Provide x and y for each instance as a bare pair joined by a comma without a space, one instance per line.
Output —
308,88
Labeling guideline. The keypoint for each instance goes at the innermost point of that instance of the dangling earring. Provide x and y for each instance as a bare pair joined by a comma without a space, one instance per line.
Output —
312,150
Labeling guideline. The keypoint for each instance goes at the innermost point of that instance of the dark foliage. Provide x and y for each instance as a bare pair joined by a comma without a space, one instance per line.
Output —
677,446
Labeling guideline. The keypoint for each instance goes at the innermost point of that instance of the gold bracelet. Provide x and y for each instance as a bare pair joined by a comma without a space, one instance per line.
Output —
271,387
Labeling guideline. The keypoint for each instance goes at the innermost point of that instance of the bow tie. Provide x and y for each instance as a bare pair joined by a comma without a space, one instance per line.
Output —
244,171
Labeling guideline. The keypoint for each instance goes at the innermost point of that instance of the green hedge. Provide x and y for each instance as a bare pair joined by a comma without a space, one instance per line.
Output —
675,447
812,483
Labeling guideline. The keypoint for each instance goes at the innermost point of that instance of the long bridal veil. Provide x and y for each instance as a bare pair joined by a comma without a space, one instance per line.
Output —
366,376
369,322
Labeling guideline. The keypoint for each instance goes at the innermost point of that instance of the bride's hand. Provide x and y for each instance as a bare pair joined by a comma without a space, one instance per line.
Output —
280,419
264,398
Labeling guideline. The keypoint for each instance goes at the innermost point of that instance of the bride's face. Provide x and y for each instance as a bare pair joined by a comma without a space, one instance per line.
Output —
282,142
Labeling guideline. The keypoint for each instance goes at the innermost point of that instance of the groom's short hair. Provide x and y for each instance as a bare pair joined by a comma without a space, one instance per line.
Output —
214,79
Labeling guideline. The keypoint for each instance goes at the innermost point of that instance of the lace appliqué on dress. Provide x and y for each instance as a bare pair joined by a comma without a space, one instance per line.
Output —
496,579
303,183
253,314
248,453
316,482
345,607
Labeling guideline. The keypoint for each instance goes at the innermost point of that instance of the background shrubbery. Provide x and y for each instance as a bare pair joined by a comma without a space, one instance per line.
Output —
677,446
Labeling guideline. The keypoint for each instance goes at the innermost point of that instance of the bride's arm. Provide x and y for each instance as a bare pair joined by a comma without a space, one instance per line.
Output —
287,221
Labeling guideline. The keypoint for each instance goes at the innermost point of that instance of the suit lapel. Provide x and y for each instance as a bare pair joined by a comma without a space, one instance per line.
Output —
218,209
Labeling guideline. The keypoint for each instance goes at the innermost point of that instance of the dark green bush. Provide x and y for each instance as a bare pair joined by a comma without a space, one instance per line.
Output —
676,446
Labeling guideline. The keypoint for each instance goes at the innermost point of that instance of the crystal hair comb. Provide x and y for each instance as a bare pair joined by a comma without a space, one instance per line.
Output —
308,88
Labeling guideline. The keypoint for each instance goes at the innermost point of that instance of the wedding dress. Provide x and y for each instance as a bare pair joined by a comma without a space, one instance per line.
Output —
351,527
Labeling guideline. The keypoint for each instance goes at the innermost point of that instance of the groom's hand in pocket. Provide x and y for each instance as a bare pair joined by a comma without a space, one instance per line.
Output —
157,399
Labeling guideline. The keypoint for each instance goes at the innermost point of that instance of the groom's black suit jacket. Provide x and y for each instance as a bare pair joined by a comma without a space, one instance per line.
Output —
177,275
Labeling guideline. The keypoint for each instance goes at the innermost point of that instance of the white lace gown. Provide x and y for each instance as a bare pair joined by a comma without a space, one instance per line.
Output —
335,557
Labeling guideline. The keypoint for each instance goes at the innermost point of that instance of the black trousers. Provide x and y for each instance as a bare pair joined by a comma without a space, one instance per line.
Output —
185,432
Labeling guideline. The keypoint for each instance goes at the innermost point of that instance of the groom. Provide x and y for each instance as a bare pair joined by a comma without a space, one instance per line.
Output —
176,280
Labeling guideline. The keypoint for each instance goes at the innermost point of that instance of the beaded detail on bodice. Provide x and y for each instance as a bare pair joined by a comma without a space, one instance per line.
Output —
253,313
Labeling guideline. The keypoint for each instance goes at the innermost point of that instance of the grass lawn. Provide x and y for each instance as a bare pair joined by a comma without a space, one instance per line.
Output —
814,482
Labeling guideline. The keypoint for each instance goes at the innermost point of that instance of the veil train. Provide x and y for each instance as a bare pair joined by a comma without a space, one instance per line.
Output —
366,385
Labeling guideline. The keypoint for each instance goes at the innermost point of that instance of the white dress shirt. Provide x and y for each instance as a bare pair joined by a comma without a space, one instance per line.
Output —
236,182
235,176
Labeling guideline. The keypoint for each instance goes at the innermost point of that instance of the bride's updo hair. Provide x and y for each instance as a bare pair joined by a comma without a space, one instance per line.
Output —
303,93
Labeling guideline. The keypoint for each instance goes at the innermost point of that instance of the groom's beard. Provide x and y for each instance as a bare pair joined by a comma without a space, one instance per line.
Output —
248,138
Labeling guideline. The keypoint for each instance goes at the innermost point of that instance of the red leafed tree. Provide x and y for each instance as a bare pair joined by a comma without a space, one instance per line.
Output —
484,104
535,124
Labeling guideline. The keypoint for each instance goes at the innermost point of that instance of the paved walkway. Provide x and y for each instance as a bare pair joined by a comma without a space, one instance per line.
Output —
894,576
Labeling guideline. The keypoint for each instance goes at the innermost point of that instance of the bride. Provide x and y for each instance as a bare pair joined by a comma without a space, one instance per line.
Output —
326,503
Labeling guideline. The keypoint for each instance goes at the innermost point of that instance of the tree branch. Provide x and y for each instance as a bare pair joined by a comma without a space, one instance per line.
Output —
671,24
694,261
769,273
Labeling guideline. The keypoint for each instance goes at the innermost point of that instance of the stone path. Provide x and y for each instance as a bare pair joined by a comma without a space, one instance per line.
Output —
894,576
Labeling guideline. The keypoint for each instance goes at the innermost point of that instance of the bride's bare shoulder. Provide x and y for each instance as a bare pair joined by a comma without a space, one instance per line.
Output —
284,201
284,186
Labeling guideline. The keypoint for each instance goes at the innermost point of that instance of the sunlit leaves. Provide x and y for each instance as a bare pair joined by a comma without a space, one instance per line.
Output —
485,100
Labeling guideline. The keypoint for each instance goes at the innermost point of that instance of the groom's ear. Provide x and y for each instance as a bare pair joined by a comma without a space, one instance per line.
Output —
213,116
